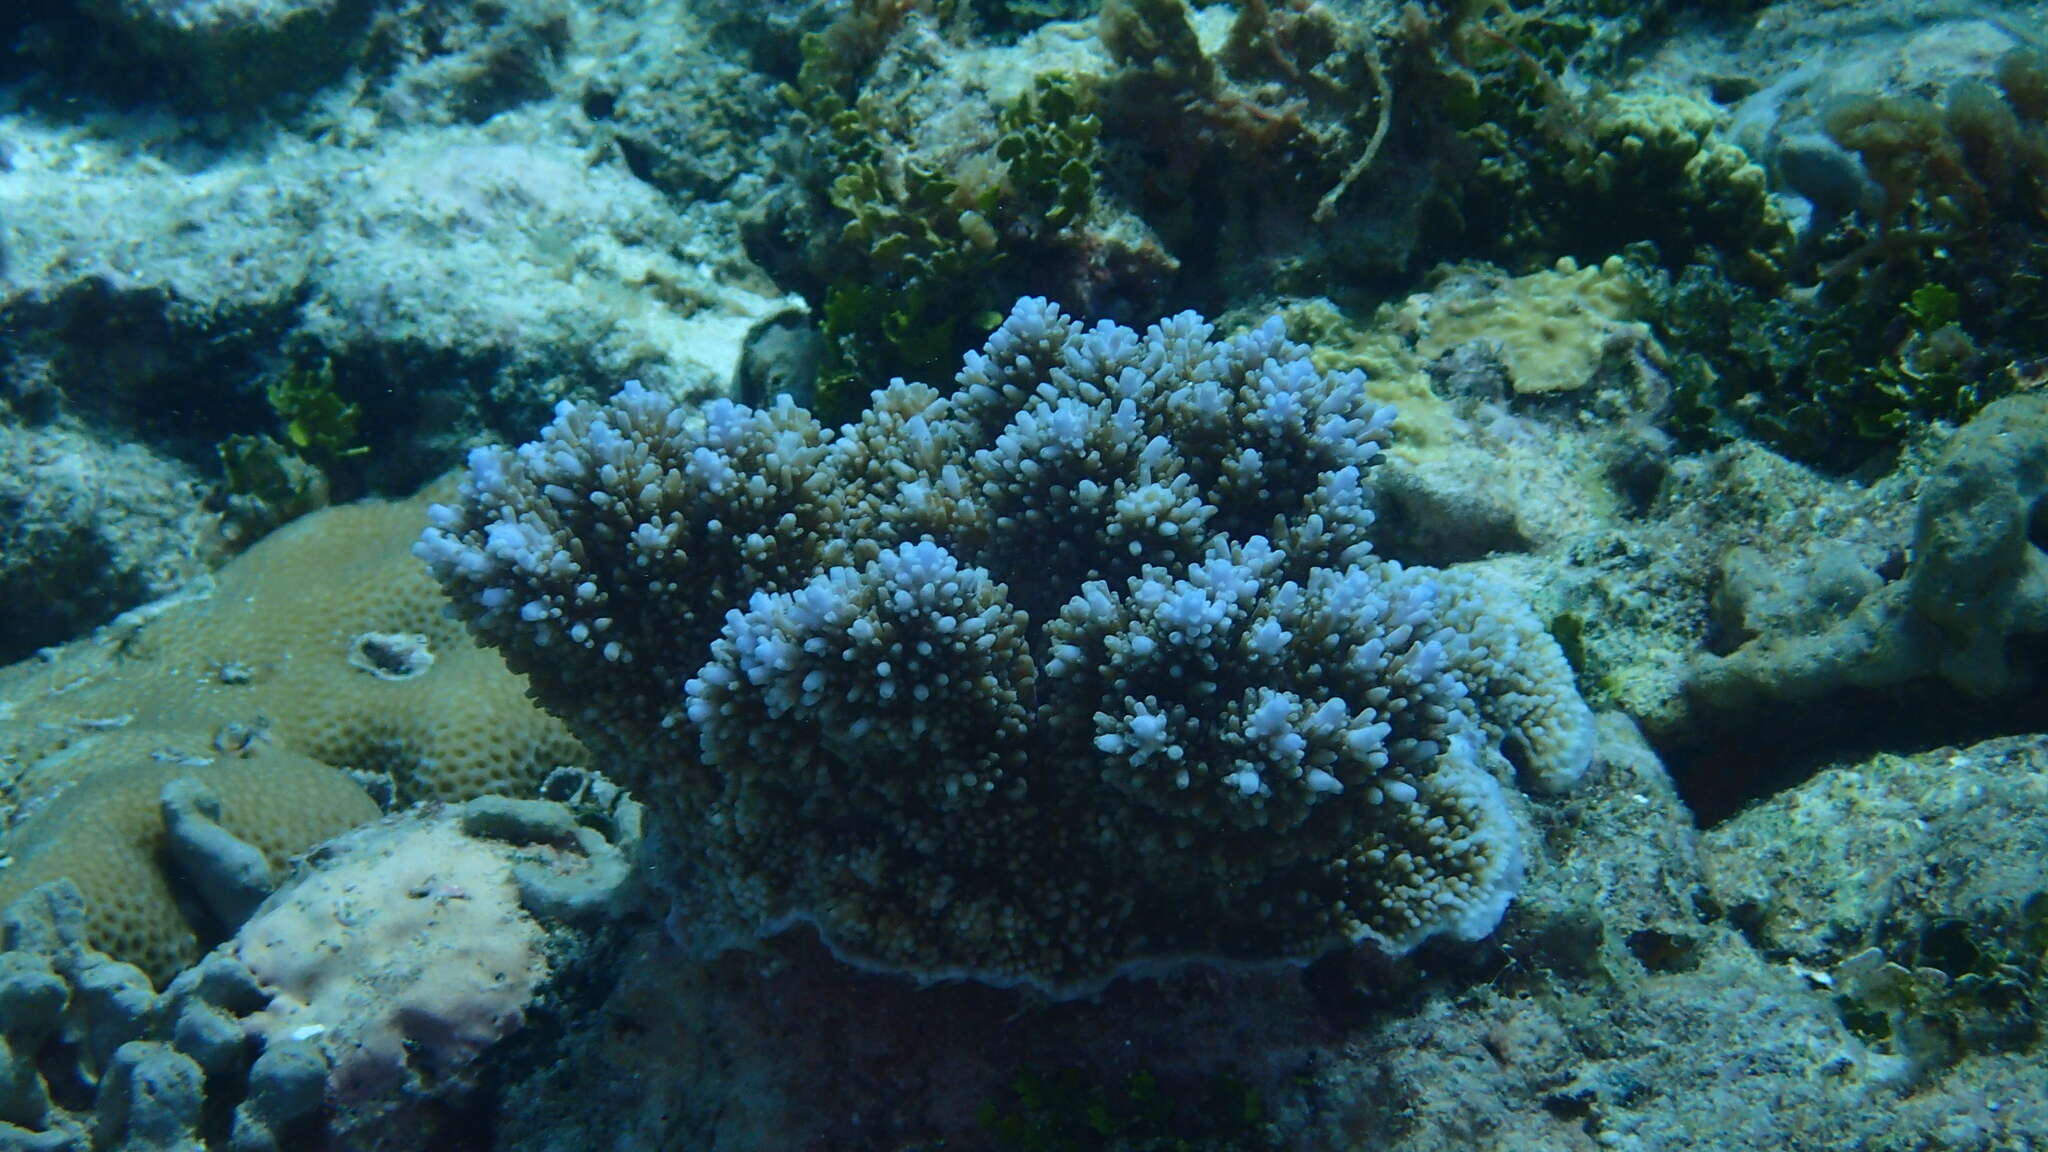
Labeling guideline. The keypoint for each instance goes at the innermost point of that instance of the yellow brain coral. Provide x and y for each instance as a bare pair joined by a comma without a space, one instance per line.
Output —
105,831
326,638
324,647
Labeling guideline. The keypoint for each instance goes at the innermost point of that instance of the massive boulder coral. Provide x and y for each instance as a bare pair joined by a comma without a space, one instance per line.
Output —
324,648
325,639
372,1002
1086,666
170,843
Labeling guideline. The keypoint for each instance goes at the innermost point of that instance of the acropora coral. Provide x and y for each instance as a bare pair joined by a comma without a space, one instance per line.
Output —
1082,668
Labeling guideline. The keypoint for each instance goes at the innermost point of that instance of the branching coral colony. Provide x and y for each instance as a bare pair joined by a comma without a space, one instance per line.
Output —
1083,667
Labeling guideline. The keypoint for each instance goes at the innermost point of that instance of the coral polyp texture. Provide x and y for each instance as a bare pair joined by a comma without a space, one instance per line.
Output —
1084,667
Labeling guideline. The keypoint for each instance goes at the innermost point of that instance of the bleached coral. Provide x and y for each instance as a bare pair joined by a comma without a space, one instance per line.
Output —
1084,667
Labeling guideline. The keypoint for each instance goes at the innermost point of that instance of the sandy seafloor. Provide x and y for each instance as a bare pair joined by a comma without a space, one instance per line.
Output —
270,268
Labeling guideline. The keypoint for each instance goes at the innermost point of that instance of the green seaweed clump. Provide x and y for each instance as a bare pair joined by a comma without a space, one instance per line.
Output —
1585,169
1067,1110
317,421
1826,383
1629,169
925,258
1928,301
921,252
1568,35
267,481
1049,148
